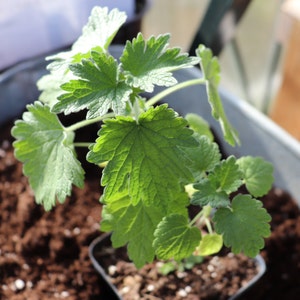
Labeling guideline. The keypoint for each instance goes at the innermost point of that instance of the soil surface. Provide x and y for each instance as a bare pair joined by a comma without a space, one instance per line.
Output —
44,255
217,277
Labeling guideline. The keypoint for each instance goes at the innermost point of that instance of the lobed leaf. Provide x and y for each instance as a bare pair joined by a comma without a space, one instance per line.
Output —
98,88
227,175
144,156
258,174
175,238
133,225
204,157
148,62
244,225
207,193
46,151
97,34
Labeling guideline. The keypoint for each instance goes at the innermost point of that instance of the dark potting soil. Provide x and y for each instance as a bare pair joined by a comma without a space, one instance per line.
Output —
44,255
217,277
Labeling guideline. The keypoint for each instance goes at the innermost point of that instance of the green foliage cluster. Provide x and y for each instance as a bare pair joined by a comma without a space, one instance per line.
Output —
155,162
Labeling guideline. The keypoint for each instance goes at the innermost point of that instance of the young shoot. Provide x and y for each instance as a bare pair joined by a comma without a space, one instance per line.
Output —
155,162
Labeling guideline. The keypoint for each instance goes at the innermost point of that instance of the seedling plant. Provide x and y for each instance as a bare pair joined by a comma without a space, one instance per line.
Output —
155,162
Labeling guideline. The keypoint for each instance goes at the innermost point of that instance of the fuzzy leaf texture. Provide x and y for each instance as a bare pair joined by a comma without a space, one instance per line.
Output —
98,88
227,175
148,62
225,178
211,72
258,175
132,225
97,34
145,157
175,238
207,193
46,151
243,226
204,158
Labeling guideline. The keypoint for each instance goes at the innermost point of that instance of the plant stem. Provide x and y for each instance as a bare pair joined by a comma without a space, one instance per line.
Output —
203,214
173,89
208,226
88,122
196,218
84,145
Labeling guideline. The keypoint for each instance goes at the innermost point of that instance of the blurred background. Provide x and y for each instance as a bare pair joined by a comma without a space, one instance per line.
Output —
256,41
255,35
259,65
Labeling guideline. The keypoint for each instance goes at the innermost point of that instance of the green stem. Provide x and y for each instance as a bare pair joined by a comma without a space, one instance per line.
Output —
173,89
203,214
88,122
196,218
82,144
208,226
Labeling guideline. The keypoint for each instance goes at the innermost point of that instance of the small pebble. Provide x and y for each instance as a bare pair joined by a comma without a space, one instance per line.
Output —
112,270
210,268
76,230
67,232
19,284
182,293
181,275
2,153
64,294
125,290
150,288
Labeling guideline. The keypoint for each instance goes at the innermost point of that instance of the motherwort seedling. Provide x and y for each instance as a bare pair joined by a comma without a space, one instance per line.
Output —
156,163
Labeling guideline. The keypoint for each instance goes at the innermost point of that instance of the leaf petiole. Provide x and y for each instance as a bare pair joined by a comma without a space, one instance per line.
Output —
87,122
158,97
202,215
82,145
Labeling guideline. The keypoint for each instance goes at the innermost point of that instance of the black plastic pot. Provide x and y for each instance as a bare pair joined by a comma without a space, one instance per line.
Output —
110,291
259,135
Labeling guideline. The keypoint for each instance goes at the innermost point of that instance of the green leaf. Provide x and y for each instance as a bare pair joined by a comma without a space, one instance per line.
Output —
207,193
97,35
211,71
199,125
50,84
100,30
244,225
168,267
134,226
215,188
210,244
204,157
175,238
148,62
258,175
145,156
192,260
48,156
98,88
227,175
